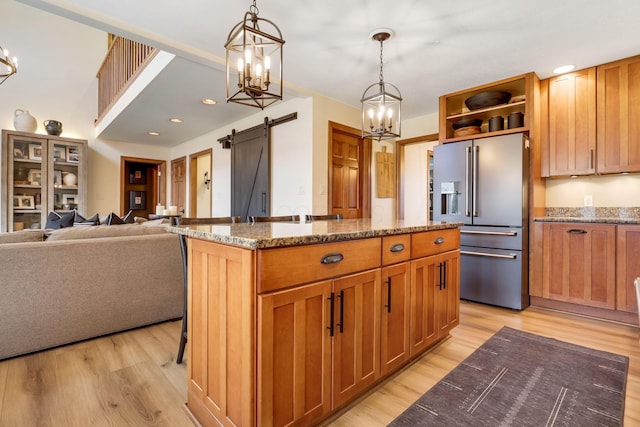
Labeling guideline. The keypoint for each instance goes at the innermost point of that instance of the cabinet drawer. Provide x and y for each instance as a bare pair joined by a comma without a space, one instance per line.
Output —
396,249
433,242
284,267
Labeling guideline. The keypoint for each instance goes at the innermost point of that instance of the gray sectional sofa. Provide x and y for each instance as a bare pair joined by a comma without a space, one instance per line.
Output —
83,282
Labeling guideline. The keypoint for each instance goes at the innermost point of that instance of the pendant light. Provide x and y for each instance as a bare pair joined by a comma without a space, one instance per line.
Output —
254,61
9,66
381,102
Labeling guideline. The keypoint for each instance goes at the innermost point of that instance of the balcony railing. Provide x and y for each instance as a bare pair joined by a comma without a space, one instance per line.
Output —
123,61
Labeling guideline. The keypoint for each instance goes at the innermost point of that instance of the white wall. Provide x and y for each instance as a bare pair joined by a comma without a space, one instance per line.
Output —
57,64
606,191
203,198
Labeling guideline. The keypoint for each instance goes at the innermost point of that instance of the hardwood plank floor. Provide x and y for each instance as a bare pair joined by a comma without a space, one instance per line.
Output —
131,379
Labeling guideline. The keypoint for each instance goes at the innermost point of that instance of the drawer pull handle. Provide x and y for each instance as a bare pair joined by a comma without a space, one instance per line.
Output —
439,241
332,258
576,231
398,247
490,233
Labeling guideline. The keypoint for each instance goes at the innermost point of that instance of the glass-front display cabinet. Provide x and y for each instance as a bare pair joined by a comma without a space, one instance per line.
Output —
41,173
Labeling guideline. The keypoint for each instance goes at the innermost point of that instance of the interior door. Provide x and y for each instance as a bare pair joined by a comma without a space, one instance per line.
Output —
179,183
250,172
349,162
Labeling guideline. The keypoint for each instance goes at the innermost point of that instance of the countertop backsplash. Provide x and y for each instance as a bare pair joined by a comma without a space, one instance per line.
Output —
592,214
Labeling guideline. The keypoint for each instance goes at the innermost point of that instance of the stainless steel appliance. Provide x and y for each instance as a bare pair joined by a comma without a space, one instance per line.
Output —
484,184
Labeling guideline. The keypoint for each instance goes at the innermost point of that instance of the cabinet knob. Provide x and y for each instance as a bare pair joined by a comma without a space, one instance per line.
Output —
439,241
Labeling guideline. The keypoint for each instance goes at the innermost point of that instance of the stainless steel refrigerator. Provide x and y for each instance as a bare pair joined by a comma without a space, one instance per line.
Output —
484,184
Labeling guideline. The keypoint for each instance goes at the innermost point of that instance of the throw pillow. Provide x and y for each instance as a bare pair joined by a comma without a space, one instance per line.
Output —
113,219
129,218
56,221
79,220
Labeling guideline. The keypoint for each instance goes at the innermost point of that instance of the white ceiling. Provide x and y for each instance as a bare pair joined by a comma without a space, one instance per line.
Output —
438,47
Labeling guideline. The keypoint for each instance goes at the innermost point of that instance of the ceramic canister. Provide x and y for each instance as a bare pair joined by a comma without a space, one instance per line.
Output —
515,120
496,123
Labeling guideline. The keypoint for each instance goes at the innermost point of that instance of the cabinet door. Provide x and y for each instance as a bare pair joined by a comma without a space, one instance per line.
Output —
25,188
579,264
448,294
572,123
294,373
396,305
627,269
424,277
356,343
619,116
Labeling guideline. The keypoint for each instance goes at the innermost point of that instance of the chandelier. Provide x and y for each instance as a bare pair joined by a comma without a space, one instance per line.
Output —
10,64
381,103
254,61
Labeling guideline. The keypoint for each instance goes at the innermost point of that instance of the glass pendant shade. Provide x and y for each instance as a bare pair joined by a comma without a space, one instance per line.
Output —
381,104
254,61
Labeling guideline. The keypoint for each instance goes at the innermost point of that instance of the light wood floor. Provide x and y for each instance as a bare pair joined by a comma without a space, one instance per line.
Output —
131,379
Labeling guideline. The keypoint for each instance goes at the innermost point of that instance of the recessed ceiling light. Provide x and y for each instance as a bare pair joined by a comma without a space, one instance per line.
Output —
153,133
208,101
564,69
175,120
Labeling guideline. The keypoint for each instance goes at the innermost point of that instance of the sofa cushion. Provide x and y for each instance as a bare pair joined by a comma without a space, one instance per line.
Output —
22,236
56,221
99,231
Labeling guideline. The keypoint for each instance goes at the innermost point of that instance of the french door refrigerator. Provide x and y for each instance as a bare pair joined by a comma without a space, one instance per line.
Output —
483,183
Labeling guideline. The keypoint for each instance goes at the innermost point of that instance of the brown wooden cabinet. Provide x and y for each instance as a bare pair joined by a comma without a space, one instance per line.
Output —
571,123
356,335
294,371
396,306
523,90
435,291
274,342
579,264
627,267
619,116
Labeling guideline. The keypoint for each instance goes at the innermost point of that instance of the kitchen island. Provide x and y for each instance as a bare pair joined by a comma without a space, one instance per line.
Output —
288,322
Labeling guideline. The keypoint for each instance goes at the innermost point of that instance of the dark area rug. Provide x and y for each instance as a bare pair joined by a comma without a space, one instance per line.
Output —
521,379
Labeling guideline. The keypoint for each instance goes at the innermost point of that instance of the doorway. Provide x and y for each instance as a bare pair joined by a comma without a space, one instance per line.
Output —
179,183
349,159
414,159
200,183
142,185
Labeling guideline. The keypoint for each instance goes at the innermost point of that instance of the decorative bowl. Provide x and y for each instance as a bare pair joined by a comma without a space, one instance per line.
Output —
487,99
467,130
466,122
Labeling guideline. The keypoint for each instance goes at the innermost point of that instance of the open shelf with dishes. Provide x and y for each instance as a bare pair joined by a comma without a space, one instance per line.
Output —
511,113
40,173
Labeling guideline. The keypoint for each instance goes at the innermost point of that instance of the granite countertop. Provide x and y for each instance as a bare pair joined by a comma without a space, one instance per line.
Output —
590,214
595,220
277,234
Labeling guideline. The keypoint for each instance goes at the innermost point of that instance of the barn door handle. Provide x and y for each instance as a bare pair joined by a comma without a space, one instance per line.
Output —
264,202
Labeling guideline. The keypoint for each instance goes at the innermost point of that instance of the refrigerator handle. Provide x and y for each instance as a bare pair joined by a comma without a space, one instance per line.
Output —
474,190
467,182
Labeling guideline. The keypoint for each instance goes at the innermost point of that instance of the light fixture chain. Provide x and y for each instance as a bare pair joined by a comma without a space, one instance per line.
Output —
254,9
381,77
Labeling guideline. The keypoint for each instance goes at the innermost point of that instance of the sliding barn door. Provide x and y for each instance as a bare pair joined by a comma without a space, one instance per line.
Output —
250,184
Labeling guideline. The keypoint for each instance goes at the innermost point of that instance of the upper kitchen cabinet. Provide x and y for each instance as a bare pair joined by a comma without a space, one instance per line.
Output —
591,120
619,116
492,113
570,131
